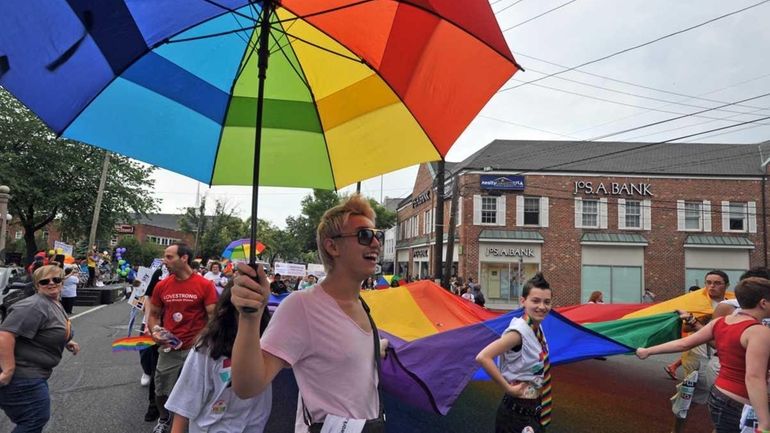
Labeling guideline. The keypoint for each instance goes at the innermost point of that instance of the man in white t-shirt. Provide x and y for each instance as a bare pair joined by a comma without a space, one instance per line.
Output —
323,333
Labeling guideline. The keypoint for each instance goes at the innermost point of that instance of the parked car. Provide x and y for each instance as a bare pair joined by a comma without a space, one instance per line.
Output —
15,285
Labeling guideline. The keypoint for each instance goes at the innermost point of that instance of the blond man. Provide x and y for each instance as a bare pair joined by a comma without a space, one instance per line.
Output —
323,333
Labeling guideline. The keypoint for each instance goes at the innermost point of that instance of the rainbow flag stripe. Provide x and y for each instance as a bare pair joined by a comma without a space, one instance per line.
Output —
132,343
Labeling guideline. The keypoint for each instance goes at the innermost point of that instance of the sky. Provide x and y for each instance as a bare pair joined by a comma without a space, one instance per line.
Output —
717,63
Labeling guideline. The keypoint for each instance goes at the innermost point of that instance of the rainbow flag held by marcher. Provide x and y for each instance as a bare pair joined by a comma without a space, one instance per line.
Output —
132,343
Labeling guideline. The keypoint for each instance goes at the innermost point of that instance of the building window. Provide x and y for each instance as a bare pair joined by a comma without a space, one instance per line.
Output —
633,214
45,234
692,215
161,240
19,234
532,211
737,217
590,217
114,240
489,210
618,284
428,220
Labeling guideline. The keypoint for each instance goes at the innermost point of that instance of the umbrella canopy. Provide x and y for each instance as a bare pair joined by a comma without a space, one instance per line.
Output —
354,89
240,249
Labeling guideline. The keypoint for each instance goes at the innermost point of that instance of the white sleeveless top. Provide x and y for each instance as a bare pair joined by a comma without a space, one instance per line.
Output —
524,365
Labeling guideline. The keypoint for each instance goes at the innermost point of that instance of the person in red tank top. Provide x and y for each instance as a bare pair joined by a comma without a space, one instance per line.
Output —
744,352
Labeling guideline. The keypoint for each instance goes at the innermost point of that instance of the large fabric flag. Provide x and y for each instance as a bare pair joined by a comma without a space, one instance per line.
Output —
591,313
697,303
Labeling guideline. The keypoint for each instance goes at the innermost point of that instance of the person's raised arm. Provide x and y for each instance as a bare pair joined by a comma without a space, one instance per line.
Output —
703,335
7,360
757,354
252,369
487,360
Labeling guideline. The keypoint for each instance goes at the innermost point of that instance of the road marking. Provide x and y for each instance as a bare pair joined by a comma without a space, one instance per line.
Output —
87,311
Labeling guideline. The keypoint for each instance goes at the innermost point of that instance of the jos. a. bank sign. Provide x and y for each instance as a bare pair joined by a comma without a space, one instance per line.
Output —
612,188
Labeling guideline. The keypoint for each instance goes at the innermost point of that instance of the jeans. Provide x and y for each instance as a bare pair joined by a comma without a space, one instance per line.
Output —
27,404
725,412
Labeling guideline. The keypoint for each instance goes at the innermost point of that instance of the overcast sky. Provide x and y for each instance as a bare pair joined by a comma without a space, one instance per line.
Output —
721,62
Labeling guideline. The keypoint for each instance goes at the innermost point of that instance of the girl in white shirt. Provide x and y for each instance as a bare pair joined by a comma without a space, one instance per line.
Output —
524,370
202,399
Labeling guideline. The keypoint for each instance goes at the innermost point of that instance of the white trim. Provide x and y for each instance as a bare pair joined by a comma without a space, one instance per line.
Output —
477,209
751,216
511,241
603,174
603,213
500,211
615,244
706,209
578,213
680,219
544,211
646,214
621,214
519,210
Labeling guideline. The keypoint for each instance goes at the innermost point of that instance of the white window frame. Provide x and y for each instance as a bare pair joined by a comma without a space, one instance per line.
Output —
499,211
749,216
583,214
113,240
19,234
626,214
695,211
704,224
428,221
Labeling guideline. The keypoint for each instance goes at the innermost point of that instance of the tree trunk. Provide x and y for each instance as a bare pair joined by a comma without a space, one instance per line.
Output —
29,241
438,219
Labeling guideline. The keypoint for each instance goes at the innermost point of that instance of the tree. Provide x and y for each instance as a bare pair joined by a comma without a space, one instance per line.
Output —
216,231
385,218
194,220
278,243
303,227
52,178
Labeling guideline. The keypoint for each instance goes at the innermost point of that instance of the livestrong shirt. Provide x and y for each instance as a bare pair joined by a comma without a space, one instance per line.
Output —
184,305
40,326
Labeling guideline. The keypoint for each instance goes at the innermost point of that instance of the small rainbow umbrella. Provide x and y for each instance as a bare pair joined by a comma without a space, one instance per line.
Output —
240,249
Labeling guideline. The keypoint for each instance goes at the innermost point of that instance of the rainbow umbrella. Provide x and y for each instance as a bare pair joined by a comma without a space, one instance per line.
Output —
240,249
354,89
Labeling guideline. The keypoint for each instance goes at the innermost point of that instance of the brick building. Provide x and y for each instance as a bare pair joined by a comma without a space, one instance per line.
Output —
162,229
615,217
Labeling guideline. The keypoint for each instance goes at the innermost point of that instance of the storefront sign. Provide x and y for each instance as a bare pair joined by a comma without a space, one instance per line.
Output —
507,183
613,188
420,199
420,253
124,228
516,252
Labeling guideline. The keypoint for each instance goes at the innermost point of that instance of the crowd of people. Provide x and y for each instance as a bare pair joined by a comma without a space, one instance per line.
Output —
219,349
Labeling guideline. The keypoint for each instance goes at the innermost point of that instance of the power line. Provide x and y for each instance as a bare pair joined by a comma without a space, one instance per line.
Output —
525,126
509,6
637,46
538,16
677,118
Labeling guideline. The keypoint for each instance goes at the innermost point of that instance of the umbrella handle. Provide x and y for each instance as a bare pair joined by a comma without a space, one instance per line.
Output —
249,310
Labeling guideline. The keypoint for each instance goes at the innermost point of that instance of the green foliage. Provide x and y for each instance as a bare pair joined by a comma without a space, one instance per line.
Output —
139,254
216,231
54,178
385,218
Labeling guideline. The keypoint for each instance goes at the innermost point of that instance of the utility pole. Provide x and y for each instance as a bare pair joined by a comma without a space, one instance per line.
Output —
4,196
450,242
438,219
99,196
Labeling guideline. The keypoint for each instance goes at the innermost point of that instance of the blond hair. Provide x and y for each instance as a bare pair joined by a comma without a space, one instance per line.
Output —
335,218
45,270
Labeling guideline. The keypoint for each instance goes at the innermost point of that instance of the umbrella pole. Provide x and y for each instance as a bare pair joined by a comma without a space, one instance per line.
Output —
263,54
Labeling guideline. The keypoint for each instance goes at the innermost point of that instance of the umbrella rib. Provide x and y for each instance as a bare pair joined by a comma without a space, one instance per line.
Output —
232,10
335,9
344,56
281,49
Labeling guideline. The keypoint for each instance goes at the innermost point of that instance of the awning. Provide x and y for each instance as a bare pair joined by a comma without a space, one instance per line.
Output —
705,241
615,239
524,236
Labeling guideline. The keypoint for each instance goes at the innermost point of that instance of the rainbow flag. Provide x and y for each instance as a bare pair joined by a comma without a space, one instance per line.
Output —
132,343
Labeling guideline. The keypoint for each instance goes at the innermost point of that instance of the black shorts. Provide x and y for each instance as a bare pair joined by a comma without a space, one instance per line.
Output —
516,415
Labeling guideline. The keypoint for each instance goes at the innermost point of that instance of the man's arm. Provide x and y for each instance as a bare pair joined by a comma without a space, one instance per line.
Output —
7,361
210,311
252,368
153,319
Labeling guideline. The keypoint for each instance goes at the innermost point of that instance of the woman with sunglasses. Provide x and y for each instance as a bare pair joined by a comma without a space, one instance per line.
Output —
32,339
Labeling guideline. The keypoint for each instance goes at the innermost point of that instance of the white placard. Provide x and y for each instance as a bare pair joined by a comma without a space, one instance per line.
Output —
316,269
65,248
290,269
137,298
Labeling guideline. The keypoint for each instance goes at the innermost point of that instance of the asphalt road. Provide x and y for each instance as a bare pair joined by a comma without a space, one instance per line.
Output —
98,391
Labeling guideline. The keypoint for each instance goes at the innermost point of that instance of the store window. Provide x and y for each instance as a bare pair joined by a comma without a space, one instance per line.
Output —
19,234
532,211
618,284
590,217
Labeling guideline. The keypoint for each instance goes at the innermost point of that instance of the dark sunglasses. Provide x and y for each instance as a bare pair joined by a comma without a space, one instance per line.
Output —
47,281
365,236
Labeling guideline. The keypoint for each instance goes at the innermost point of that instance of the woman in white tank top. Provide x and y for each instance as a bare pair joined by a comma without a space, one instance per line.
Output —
523,372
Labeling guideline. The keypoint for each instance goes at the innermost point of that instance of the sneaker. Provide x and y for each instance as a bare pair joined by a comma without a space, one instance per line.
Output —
145,380
152,413
163,426
671,371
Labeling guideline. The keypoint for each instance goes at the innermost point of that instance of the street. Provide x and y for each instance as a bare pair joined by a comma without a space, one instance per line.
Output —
98,391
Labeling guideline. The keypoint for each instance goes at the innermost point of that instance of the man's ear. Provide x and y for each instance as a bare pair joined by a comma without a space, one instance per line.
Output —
331,247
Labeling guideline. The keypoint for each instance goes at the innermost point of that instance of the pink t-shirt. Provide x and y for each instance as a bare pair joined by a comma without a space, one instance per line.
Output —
332,357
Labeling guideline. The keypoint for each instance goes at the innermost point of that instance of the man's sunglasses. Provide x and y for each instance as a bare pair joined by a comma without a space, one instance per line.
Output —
365,236
47,281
